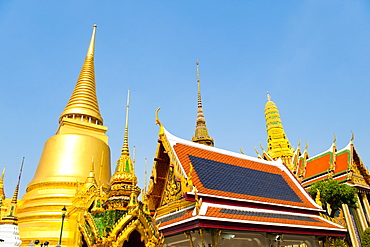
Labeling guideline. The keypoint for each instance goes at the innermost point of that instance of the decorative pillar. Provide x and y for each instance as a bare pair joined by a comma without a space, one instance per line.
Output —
361,214
366,204
350,227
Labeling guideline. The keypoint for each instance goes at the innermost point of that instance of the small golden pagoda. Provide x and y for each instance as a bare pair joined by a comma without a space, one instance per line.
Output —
115,217
9,232
201,132
65,164
278,144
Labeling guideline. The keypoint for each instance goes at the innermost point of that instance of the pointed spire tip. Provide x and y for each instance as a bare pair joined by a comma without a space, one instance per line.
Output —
268,96
83,102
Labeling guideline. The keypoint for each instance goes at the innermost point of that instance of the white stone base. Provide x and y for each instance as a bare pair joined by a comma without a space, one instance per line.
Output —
9,233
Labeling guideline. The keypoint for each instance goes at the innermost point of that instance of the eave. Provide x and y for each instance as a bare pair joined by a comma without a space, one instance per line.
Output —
203,222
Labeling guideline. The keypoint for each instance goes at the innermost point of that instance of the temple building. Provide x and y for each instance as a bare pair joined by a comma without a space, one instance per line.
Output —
206,196
343,165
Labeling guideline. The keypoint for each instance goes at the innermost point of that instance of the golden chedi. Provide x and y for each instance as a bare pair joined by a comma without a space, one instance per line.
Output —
65,164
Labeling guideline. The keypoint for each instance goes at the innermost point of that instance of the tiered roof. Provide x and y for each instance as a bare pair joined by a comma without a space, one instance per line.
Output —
342,165
231,191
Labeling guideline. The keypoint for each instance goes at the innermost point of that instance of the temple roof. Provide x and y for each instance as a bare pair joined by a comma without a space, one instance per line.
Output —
232,188
232,175
337,164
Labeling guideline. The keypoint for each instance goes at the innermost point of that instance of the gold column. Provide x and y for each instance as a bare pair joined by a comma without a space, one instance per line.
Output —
361,214
366,204
350,227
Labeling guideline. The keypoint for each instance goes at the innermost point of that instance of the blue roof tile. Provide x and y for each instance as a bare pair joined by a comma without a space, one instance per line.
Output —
235,179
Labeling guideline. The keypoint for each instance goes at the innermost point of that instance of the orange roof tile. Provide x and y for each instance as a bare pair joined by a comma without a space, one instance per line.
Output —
342,161
260,217
317,165
272,217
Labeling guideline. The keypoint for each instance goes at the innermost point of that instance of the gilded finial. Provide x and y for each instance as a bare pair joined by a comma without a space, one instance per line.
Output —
241,150
157,118
268,96
258,154
201,132
199,95
262,147
125,149
83,104
299,142
306,145
335,137
90,51
198,80
353,136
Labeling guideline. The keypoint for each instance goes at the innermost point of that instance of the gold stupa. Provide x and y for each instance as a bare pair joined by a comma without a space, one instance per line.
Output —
65,164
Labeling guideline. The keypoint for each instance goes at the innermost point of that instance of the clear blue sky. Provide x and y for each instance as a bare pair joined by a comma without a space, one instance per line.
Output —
312,56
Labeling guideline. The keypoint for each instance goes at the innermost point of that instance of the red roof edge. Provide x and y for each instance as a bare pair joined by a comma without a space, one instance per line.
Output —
190,197
248,227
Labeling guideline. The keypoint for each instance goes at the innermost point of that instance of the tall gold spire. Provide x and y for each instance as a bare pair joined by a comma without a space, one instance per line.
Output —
278,144
125,150
83,103
201,132
124,175
2,193
13,204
